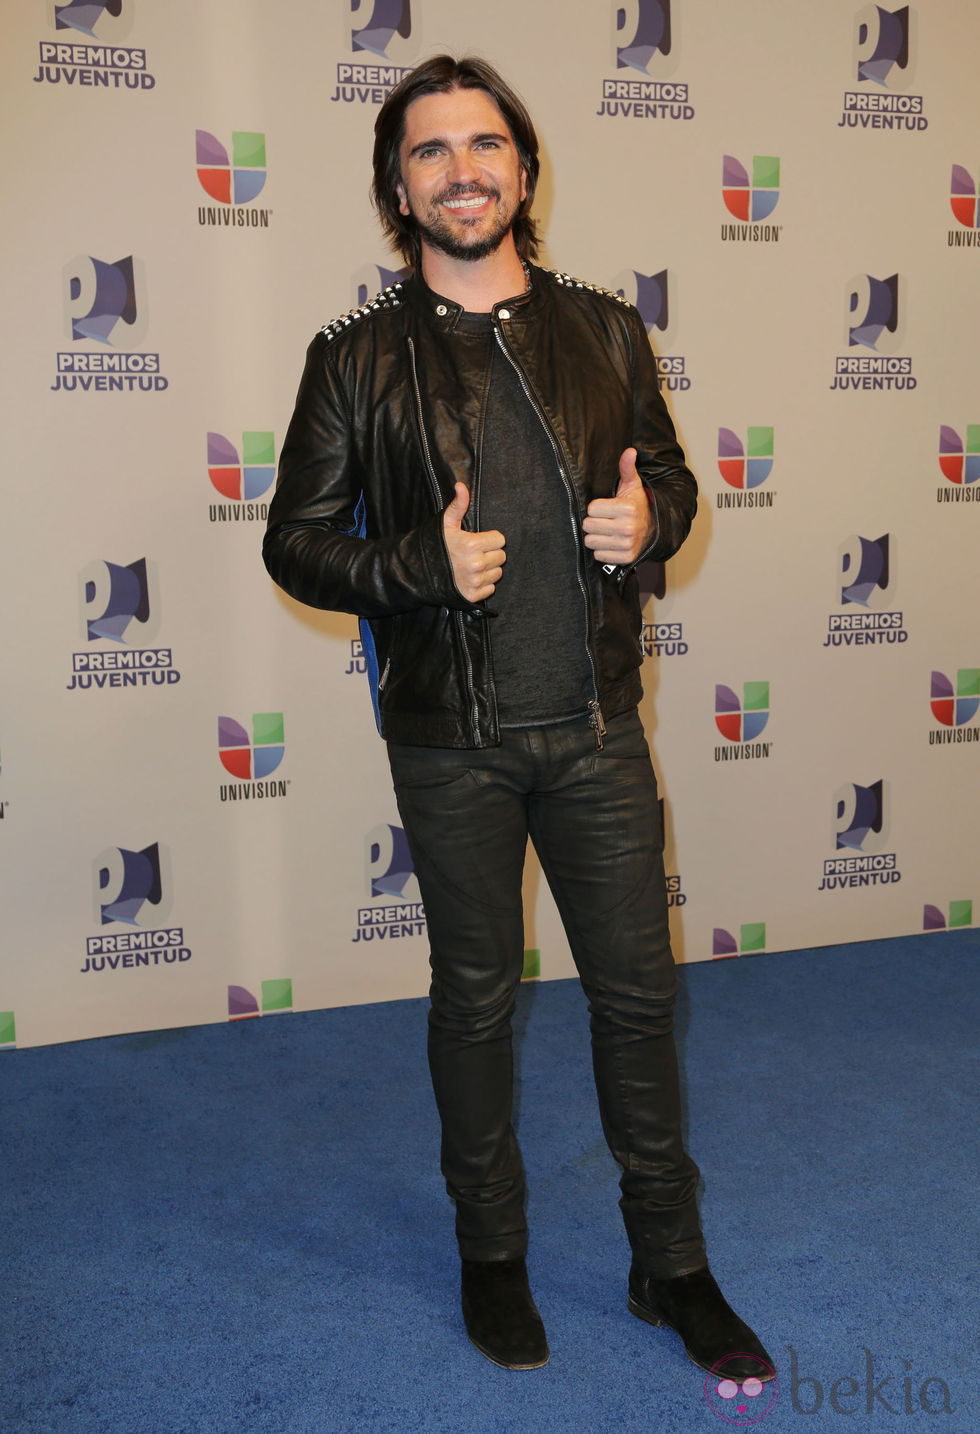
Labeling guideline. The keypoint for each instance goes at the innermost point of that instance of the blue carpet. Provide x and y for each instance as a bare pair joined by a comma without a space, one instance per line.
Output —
241,1228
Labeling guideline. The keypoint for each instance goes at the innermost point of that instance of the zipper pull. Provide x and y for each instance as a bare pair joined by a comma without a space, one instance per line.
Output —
596,722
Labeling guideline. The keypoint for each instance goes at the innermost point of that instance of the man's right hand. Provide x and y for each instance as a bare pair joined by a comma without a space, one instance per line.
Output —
477,558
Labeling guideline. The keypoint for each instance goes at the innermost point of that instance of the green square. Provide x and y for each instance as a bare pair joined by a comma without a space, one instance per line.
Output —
765,171
973,438
755,697
277,995
753,937
968,682
247,149
760,443
267,729
960,913
258,448
8,1028
532,965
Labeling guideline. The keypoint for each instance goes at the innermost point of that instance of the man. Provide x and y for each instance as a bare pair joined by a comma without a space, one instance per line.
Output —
477,460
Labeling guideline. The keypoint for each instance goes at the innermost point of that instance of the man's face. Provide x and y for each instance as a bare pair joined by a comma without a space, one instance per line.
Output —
462,179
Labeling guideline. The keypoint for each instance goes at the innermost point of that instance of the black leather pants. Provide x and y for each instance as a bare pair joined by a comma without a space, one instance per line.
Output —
594,820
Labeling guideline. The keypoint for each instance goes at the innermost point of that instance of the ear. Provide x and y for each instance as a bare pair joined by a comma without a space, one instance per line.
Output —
402,198
523,184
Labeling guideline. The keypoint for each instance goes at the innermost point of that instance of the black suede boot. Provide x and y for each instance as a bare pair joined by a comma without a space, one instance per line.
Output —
714,1336
500,1315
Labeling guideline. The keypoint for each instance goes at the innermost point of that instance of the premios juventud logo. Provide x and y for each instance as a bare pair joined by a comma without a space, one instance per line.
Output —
642,75
380,41
106,320
874,330
884,45
88,46
865,588
133,895
860,836
120,621
393,908
655,297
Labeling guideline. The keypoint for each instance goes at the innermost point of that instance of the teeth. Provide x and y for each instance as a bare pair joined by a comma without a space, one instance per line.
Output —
466,203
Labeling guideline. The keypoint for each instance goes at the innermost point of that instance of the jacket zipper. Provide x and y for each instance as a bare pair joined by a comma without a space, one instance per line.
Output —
595,712
457,615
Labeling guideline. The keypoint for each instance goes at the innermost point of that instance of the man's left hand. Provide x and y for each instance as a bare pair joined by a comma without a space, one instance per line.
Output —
619,529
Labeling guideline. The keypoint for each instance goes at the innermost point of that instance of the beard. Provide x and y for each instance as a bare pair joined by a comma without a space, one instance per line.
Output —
453,238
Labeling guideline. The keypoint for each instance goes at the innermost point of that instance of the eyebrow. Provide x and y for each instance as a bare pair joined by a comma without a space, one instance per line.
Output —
473,139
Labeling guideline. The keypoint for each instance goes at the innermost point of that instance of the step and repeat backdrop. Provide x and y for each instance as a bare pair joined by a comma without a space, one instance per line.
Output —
196,822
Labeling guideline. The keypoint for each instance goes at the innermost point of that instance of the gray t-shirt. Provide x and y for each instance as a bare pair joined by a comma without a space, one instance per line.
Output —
541,667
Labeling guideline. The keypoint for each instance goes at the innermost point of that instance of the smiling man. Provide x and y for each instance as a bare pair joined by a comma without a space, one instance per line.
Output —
478,459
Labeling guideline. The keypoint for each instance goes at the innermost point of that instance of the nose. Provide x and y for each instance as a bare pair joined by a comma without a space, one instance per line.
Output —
462,167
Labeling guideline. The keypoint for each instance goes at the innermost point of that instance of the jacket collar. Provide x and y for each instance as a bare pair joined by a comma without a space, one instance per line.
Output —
444,313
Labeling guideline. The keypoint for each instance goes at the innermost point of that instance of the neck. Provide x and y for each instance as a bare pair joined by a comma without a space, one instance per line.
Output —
475,284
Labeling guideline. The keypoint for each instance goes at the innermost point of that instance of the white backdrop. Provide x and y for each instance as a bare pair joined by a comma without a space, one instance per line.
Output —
819,308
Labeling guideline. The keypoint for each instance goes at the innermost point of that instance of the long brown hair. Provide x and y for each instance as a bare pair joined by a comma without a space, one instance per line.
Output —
440,75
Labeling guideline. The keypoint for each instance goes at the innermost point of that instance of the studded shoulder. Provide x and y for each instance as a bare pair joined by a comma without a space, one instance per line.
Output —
568,282
389,298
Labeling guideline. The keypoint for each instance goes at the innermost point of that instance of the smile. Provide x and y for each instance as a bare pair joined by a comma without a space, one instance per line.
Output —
473,203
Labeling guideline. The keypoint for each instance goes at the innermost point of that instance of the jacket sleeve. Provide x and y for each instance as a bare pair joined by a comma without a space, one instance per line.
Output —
660,461
315,546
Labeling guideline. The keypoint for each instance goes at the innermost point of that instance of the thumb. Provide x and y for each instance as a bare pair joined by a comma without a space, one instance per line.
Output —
628,476
457,509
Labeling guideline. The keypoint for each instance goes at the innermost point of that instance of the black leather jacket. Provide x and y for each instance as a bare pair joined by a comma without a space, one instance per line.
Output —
387,419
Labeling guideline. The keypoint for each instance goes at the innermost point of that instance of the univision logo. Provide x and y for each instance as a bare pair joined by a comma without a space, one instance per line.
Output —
750,197
954,705
966,210
958,914
251,759
241,478
742,721
960,464
963,198
745,465
275,997
232,179
750,941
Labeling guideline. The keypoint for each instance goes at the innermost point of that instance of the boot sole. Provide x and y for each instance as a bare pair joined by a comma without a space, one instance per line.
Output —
648,1316
502,1364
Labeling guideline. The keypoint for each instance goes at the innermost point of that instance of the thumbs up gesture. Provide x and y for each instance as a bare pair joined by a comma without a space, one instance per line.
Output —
620,528
477,558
